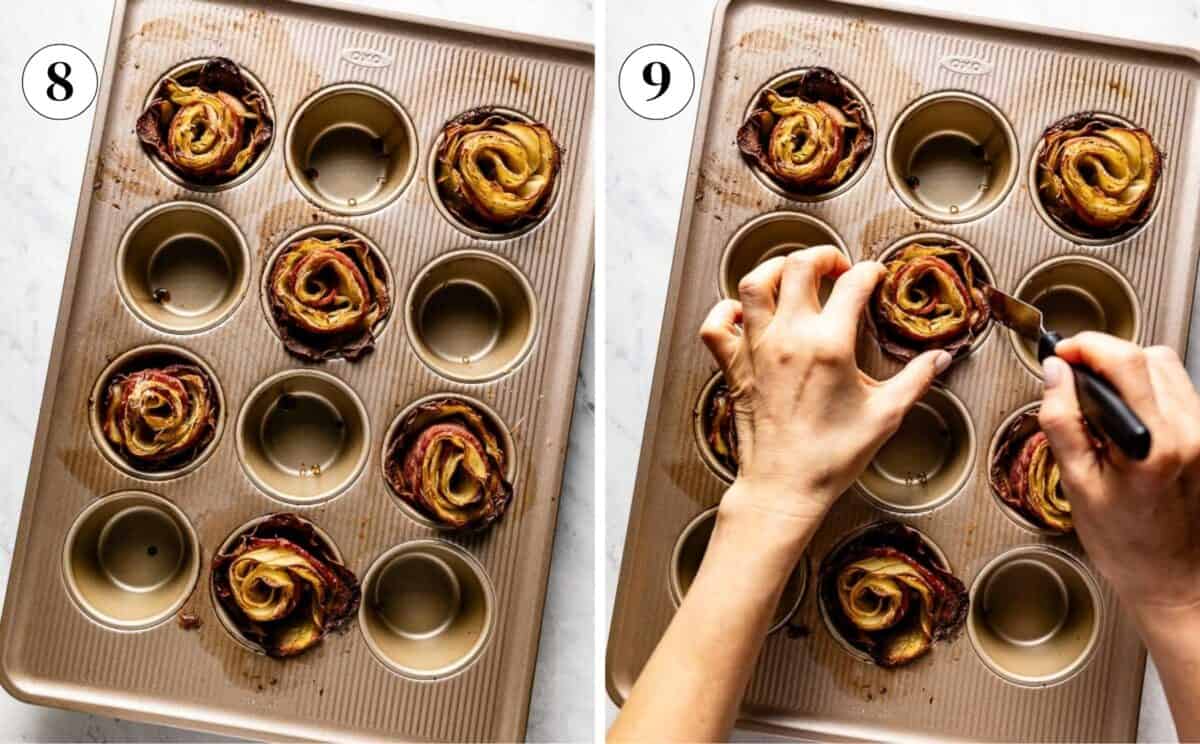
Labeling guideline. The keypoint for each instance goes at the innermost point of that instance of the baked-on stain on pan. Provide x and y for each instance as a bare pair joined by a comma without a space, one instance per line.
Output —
310,415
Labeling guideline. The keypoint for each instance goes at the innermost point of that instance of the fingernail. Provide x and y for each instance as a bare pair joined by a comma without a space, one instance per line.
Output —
1052,371
941,362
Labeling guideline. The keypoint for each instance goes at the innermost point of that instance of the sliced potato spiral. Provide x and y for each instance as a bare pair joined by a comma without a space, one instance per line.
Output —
160,418
891,596
930,298
496,172
447,463
327,295
1025,475
720,428
810,135
209,131
283,587
1095,178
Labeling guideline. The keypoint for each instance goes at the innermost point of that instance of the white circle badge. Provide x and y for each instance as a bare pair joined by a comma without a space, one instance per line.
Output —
656,81
59,81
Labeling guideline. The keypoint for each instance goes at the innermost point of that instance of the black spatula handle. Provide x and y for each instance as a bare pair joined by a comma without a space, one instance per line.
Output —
1103,406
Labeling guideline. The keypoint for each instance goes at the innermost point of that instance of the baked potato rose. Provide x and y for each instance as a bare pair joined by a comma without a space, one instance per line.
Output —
809,135
930,298
446,461
890,596
207,126
720,426
1095,178
327,296
159,418
283,587
1025,475
495,172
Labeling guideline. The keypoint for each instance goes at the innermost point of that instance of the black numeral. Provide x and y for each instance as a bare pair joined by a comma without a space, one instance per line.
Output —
60,89
664,78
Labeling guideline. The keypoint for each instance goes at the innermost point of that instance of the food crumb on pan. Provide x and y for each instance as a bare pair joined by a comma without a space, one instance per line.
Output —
189,620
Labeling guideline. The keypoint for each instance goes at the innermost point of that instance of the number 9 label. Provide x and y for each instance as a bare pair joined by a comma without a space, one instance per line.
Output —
656,81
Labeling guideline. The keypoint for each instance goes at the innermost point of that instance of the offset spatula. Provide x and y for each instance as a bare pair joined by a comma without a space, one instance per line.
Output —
1105,410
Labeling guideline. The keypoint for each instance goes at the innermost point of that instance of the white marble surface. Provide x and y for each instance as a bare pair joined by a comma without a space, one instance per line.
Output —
41,167
645,187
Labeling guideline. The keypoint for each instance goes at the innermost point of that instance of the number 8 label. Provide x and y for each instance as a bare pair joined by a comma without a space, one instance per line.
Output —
59,81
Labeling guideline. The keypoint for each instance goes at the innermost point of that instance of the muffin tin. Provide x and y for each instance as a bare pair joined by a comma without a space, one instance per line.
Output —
109,607
1070,665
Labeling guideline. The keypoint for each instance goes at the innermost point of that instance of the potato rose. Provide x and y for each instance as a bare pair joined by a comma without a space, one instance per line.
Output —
283,587
327,296
159,418
1025,475
1097,179
446,462
890,596
809,135
494,172
719,425
210,128
930,298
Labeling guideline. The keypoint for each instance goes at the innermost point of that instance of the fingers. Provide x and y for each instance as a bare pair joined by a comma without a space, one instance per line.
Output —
908,385
799,291
1172,386
720,331
1175,393
757,291
1120,362
851,294
1062,420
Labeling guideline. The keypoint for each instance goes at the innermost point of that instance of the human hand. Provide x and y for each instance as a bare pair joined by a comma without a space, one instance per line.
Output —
1138,520
808,419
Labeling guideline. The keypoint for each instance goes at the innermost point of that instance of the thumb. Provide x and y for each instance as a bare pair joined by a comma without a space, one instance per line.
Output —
1061,418
908,385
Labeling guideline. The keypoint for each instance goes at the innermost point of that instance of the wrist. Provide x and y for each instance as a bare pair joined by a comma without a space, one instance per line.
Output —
769,522
1158,620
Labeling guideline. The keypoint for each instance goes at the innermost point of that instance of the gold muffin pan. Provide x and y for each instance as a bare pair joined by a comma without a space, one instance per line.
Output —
959,108
109,606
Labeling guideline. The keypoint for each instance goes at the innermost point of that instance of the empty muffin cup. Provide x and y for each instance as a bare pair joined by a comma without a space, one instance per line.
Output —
351,148
428,609
722,466
1077,293
927,461
1035,615
131,560
182,267
172,437
768,236
471,316
689,552
952,156
303,436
